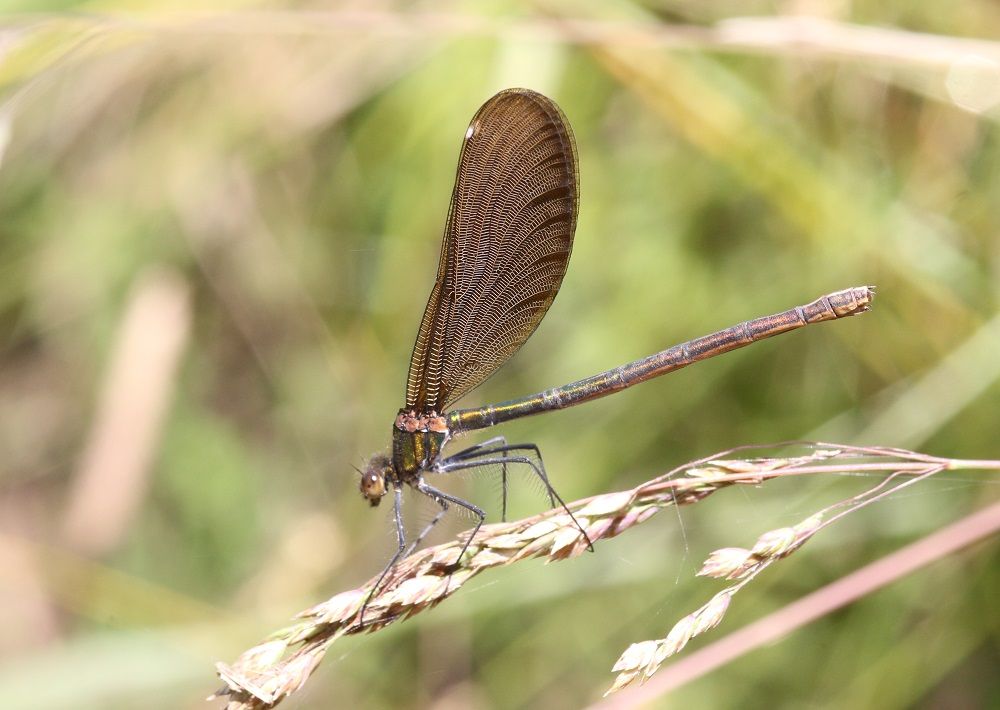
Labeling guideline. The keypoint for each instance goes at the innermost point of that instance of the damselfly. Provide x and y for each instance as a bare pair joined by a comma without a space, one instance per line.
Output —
507,243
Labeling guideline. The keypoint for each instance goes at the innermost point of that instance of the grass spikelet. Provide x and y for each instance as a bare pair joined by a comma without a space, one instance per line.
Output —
276,668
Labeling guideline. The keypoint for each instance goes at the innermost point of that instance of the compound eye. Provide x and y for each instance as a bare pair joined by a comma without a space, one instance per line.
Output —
373,486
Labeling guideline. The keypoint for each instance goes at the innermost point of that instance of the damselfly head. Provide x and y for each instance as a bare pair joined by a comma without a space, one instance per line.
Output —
373,479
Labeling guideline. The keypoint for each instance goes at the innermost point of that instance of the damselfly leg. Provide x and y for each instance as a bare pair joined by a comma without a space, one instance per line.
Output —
495,451
492,452
501,454
468,453
443,499
397,512
499,446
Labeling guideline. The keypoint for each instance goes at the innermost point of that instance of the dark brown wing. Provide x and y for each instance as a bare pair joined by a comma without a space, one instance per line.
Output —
506,246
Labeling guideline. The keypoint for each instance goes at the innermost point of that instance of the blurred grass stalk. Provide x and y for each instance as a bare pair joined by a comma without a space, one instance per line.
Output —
113,475
268,673
801,35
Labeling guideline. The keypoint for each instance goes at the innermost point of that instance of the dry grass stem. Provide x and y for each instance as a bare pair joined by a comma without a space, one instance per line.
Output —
271,671
801,35
641,660
769,629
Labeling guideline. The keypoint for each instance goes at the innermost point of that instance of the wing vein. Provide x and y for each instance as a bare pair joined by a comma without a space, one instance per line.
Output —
505,250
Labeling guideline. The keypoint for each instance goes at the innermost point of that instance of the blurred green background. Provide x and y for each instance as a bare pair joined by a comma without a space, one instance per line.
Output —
217,234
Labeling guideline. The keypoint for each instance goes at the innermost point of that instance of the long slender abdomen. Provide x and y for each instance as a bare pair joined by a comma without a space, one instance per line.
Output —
839,304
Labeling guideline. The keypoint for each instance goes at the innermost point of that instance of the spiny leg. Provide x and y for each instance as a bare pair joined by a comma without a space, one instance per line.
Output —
490,446
447,466
503,486
550,491
481,451
397,504
423,533
443,497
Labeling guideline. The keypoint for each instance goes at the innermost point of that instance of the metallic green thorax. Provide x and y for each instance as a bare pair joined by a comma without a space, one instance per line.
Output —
417,440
